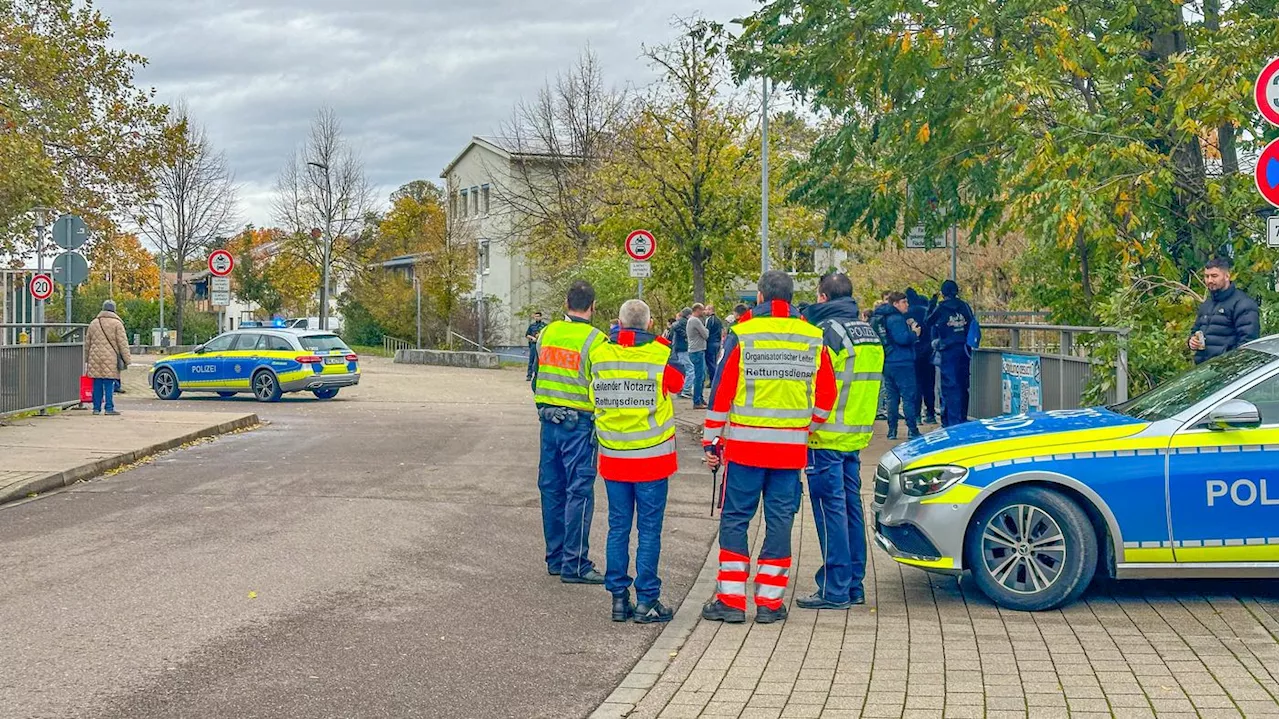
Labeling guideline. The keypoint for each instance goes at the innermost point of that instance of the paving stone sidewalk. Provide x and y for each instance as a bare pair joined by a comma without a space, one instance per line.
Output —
931,647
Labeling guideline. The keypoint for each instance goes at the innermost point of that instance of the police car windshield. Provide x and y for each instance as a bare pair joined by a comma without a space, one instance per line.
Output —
322,343
1194,385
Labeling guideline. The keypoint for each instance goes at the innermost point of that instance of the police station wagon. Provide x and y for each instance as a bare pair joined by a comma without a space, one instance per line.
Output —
1178,482
265,362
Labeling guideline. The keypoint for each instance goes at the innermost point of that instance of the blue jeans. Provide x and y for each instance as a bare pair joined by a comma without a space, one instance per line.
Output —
900,388
566,480
835,489
533,356
645,503
955,385
686,366
104,390
713,356
699,360
744,487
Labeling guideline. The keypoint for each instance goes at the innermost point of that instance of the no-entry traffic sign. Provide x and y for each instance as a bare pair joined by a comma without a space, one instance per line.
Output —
1267,174
641,245
220,263
41,287
1266,91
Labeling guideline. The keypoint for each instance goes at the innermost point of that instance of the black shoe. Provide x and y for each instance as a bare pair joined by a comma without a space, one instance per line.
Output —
856,596
892,435
930,419
553,572
623,609
591,577
765,615
717,611
914,435
653,613
816,601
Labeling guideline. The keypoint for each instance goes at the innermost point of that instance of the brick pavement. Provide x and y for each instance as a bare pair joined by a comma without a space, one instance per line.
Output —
932,647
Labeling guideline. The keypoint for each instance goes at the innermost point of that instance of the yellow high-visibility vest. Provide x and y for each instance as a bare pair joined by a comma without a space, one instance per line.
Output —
858,363
634,417
779,359
564,365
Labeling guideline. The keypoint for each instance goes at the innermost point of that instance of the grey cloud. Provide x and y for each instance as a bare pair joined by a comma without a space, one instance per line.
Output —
412,81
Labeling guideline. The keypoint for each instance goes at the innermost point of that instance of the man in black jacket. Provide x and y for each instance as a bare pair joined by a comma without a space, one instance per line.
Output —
1227,319
715,328
948,325
531,335
926,373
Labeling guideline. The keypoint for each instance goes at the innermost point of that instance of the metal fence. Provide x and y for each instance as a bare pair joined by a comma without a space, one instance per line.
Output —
1066,368
36,377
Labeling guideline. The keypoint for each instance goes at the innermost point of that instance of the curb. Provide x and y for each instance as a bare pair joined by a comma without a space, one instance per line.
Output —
646,672
58,480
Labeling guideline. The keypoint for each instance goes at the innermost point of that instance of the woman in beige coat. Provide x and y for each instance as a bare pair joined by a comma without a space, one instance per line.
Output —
106,352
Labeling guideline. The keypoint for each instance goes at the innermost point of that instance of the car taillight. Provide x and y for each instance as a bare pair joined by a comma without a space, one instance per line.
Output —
309,359
353,358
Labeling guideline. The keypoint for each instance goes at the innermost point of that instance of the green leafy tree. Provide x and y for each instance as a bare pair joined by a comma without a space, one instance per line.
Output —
75,134
685,168
1107,134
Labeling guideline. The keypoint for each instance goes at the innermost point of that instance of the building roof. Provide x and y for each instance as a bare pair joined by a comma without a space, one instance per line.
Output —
506,147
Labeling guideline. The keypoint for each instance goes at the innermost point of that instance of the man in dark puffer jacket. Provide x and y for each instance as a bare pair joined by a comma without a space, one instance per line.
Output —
1227,319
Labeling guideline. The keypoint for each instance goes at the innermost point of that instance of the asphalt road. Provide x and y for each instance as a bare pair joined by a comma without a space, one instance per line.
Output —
376,555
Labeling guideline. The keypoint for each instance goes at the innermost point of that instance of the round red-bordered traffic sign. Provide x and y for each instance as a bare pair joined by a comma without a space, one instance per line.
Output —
1267,174
1266,92
220,263
640,245
41,287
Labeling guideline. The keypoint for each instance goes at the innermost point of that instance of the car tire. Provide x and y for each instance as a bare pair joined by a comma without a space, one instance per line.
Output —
165,384
266,387
225,395
1031,549
326,393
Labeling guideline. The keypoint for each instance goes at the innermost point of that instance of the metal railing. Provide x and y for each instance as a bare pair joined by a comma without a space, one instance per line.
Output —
1066,368
471,342
39,376
391,344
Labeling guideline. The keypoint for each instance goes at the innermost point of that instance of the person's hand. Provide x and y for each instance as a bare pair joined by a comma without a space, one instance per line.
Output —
1196,343
712,459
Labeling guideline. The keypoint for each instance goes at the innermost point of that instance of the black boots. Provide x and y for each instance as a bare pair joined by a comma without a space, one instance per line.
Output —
623,609
717,611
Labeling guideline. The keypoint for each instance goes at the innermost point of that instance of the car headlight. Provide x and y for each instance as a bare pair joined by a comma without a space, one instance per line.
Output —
931,480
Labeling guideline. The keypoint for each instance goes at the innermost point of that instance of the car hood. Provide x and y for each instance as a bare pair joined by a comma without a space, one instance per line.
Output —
1014,435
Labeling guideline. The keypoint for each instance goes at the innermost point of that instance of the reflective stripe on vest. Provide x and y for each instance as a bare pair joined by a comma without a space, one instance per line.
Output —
858,363
564,364
779,359
634,416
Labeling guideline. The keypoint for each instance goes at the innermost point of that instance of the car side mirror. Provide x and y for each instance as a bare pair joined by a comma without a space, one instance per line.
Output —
1234,414
198,349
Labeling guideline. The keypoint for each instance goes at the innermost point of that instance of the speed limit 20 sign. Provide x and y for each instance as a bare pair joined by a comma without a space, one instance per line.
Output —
641,245
220,263
41,287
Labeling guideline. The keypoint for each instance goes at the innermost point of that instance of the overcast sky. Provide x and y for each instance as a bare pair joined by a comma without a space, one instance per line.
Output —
412,80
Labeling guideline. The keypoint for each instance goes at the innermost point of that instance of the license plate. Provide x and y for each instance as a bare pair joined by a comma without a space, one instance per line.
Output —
335,360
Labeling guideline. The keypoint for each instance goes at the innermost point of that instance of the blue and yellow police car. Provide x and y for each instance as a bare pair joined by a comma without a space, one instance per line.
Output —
267,362
1178,482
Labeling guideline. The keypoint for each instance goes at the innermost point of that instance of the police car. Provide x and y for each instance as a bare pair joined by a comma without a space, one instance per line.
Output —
1178,482
267,362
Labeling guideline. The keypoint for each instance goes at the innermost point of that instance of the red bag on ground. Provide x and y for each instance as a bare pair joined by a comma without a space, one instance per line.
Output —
86,390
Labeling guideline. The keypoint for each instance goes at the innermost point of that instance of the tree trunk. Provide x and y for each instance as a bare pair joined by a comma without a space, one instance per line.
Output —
699,259
179,301
1226,131
1086,283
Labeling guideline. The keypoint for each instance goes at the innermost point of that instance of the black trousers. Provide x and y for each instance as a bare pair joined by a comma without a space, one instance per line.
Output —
925,376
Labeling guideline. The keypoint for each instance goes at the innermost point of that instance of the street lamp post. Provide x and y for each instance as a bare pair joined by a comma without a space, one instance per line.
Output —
38,315
328,244
157,209
764,179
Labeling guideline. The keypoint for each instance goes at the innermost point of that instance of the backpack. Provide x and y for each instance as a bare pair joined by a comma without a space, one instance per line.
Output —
974,338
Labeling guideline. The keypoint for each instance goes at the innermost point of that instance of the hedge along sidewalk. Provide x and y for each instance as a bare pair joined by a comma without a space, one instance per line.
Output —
39,454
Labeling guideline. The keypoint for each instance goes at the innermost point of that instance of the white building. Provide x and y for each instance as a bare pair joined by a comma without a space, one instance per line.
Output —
471,179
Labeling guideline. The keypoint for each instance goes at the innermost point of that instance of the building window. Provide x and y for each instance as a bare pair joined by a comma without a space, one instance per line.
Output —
482,256
484,199
463,206
475,200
